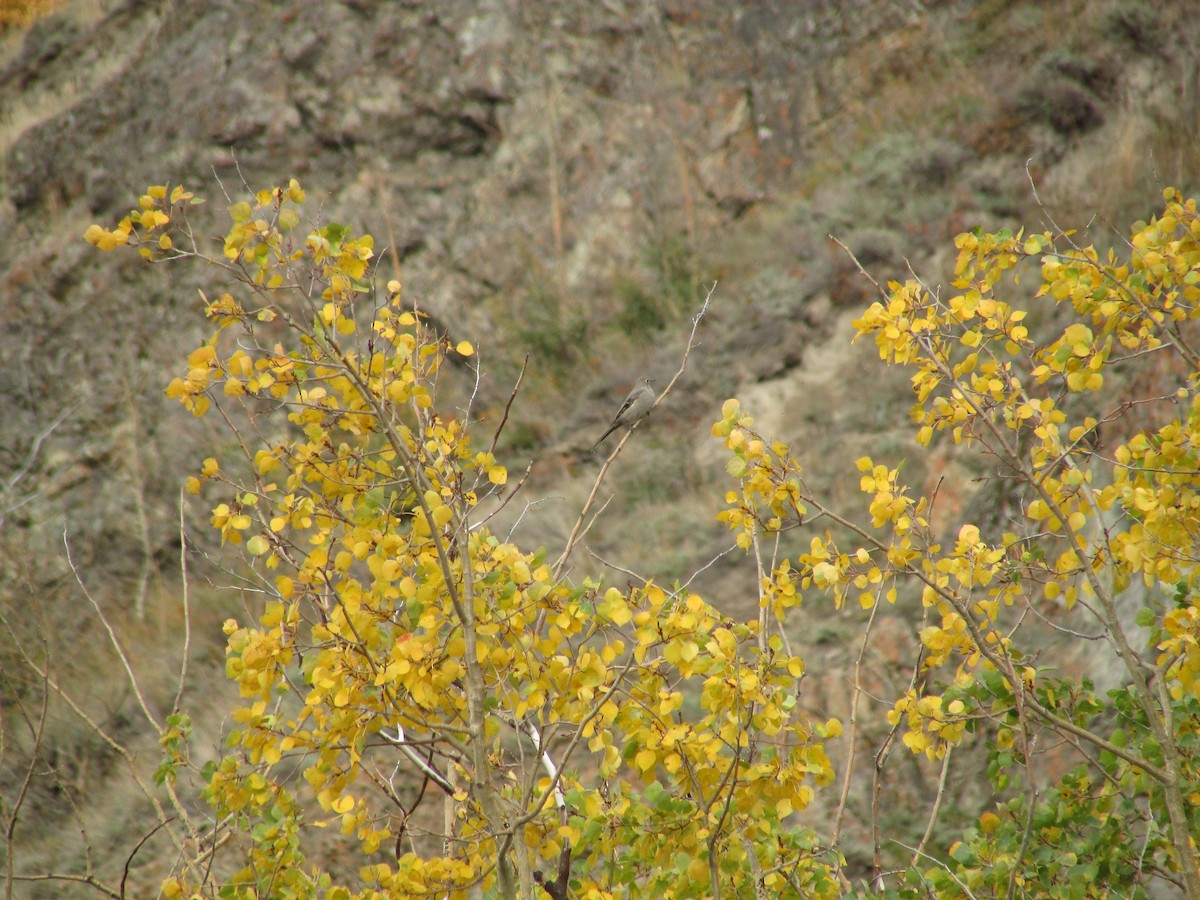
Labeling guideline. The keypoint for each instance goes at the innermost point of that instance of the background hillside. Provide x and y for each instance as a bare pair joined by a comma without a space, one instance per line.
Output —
557,181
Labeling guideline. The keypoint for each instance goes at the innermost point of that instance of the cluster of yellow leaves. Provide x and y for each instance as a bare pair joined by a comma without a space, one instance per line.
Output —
237,375
980,377
1157,483
397,621
396,617
933,725
967,343
274,864
413,876
769,478
979,374
146,226
1128,302
1179,651
747,761
771,496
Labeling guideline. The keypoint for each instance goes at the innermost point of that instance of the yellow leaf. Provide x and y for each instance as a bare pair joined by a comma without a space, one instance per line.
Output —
614,608
464,348
265,461
442,515
825,573
153,218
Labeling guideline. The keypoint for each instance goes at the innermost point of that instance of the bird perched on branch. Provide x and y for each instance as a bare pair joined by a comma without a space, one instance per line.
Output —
633,410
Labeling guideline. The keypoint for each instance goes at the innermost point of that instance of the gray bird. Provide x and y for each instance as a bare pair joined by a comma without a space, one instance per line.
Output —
635,407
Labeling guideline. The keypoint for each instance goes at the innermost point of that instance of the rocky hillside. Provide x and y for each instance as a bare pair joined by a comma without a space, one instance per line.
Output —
562,181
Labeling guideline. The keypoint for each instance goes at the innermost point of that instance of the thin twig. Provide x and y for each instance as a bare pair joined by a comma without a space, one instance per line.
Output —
112,637
136,847
507,499
937,862
187,611
574,536
108,739
937,804
853,730
402,742
30,458
14,811
604,562
507,406
867,275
